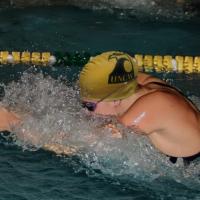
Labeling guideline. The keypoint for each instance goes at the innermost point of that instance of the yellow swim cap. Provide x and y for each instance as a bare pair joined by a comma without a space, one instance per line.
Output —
110,75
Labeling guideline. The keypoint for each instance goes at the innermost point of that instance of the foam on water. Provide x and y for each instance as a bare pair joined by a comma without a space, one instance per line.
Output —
155,9
53,114
140,8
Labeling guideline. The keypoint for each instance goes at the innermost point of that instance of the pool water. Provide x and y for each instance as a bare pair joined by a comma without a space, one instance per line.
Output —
105,168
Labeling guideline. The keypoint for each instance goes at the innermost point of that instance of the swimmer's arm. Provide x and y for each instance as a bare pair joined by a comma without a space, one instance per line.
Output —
8,119
55,145
52,145
114,130
60,149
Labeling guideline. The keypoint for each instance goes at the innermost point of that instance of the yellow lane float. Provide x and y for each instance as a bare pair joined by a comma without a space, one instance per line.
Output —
146,63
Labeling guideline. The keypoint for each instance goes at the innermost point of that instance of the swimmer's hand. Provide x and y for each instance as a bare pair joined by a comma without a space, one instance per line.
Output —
61,149
114,130
55,145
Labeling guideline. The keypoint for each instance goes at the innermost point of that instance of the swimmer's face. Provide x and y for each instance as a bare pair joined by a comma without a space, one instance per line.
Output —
99,107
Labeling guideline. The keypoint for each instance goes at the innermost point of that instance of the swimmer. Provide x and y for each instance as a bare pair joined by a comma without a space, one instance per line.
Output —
110,85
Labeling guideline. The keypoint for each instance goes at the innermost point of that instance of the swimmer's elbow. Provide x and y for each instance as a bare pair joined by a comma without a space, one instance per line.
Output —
4,128
8,120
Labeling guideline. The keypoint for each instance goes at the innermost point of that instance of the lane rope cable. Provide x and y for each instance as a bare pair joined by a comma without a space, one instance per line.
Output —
146,63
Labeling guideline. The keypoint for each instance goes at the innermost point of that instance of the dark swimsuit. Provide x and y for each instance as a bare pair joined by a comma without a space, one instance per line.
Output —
186,160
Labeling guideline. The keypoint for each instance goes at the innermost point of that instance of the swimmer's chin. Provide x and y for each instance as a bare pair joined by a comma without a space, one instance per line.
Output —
94,114
104,116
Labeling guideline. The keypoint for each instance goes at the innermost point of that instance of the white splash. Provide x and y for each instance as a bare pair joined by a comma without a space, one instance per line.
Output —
156,9
53,113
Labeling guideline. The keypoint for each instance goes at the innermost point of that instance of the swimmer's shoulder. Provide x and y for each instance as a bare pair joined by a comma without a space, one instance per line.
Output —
150,111
144,79
156,99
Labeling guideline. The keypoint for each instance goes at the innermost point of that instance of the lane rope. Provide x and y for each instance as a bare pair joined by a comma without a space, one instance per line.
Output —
146,63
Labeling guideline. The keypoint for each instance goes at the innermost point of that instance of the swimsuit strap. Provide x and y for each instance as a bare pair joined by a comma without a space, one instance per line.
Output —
191,158
173,159
168,86
177,90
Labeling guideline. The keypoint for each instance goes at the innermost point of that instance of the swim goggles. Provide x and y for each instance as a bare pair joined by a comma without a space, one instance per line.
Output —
91,106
